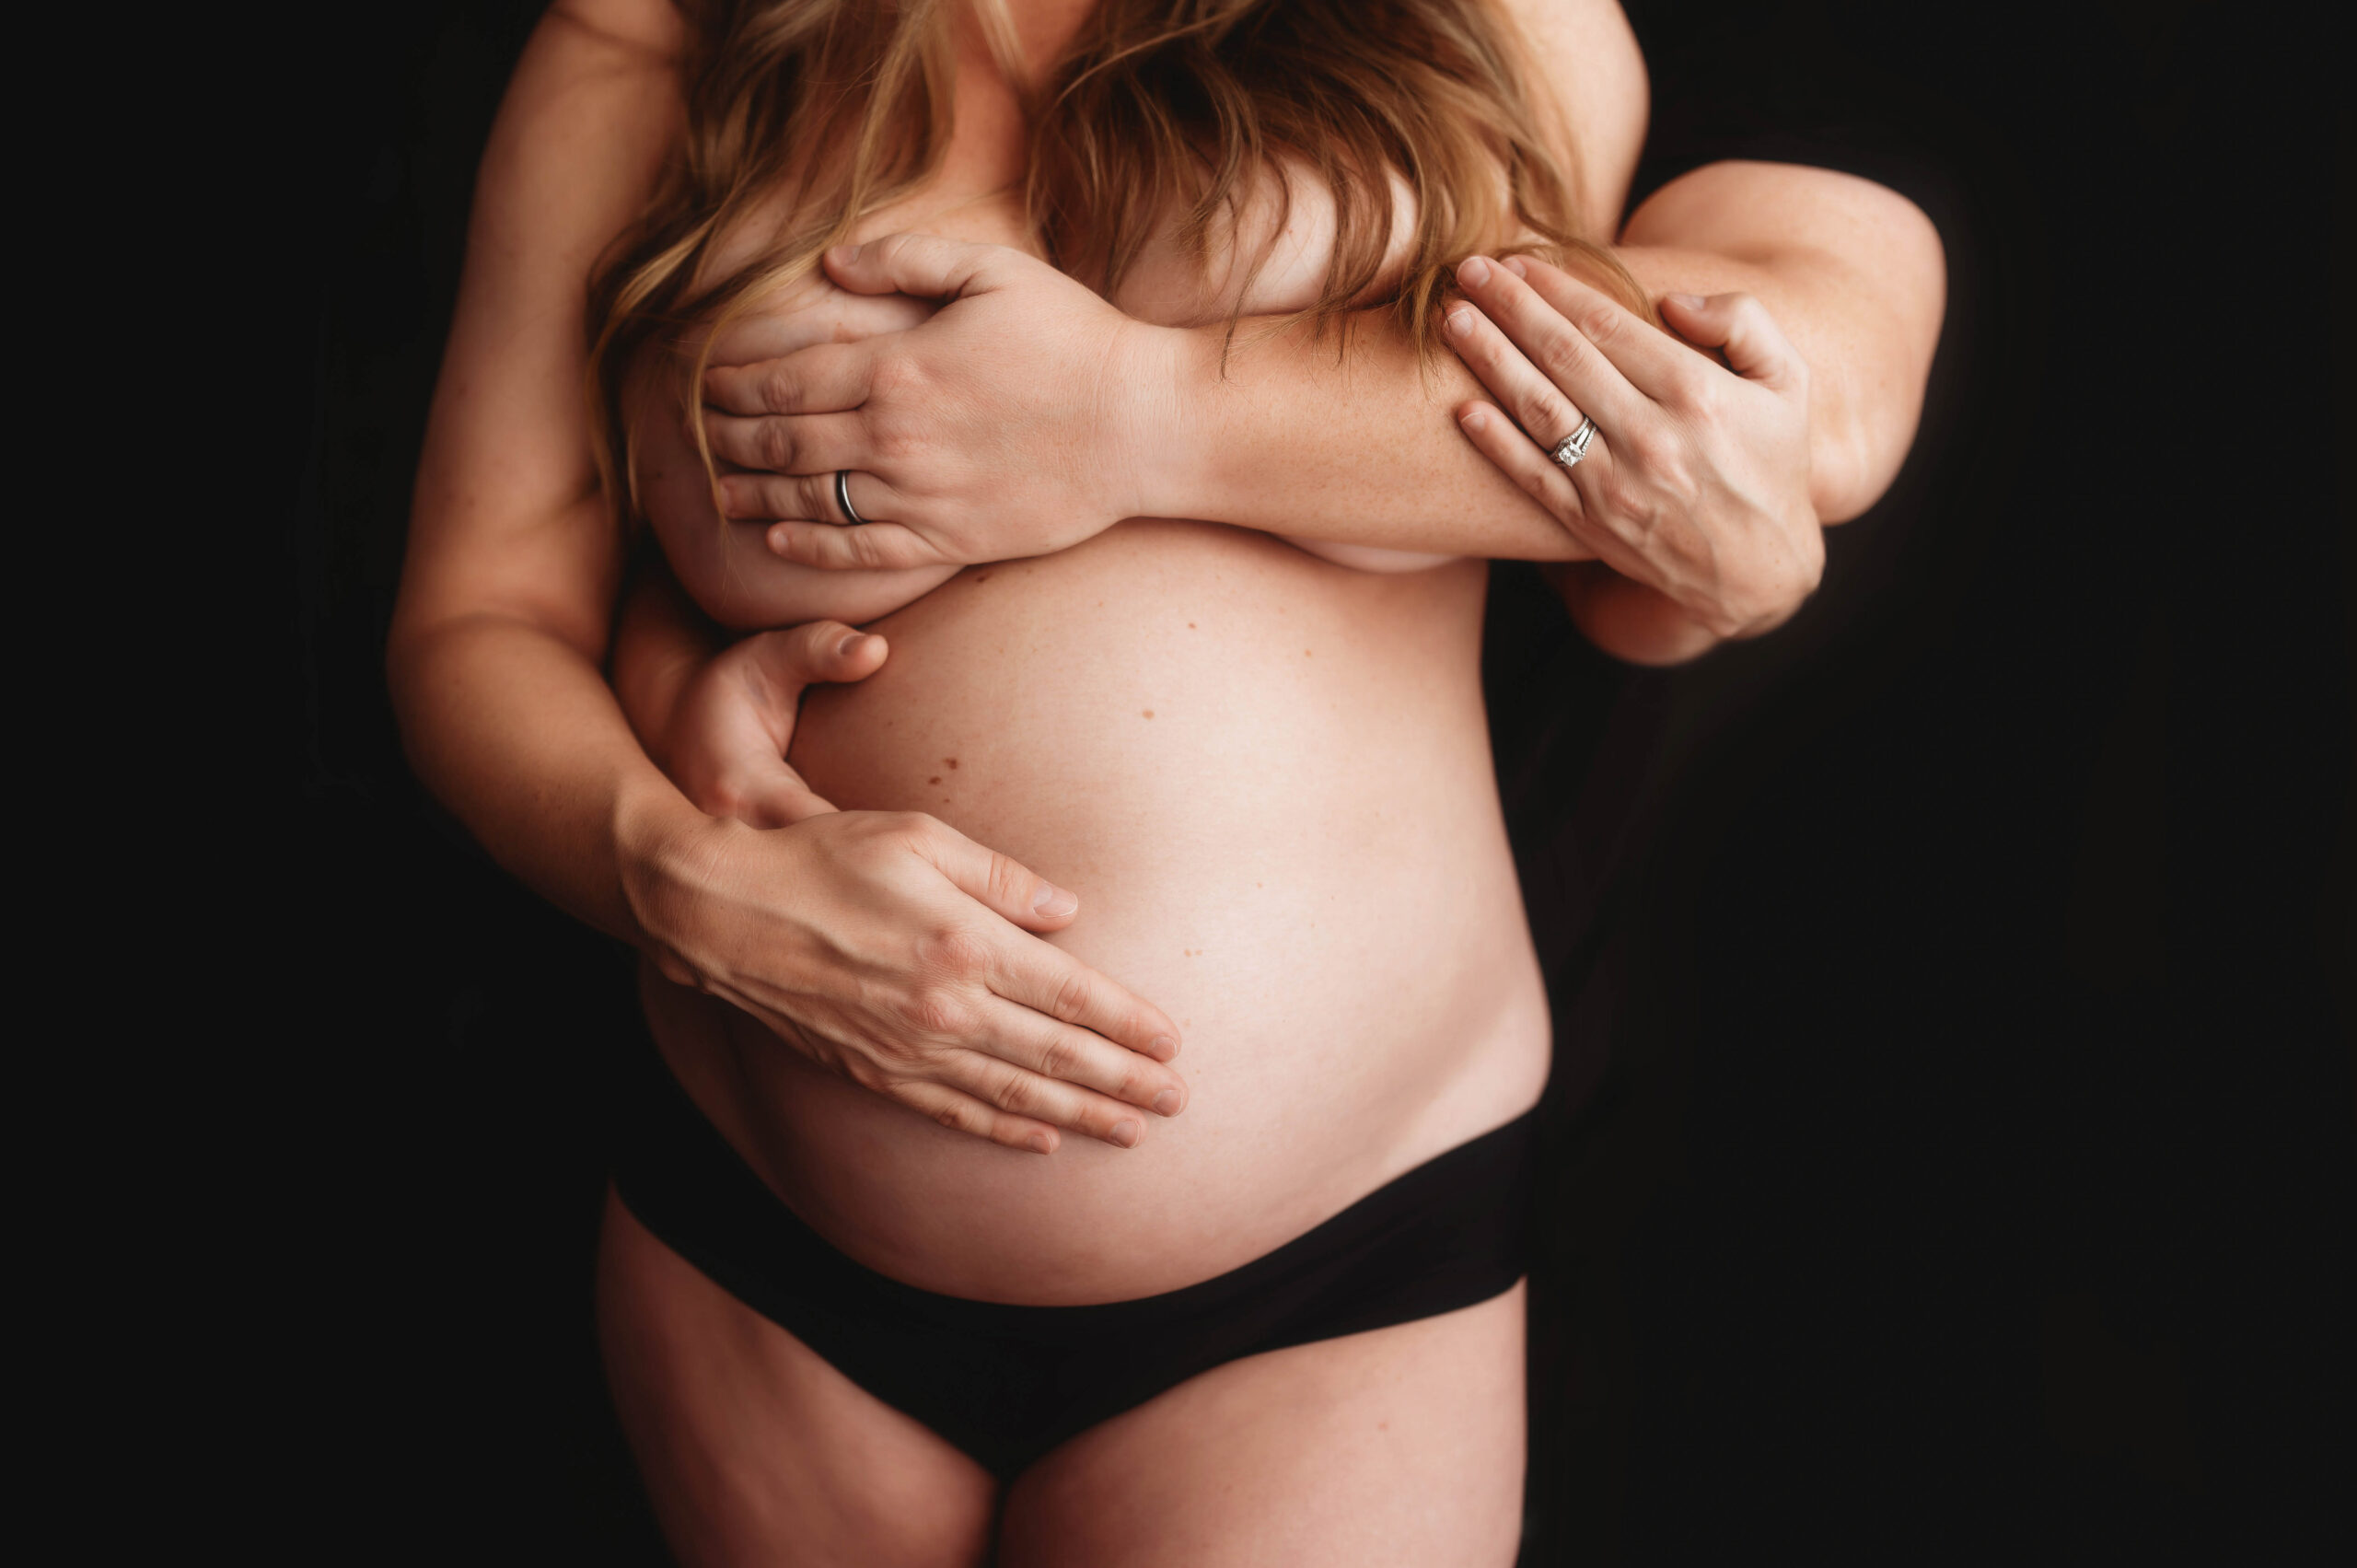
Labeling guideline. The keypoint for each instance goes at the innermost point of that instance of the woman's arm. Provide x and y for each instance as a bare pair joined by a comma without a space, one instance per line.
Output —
888,948
1288,437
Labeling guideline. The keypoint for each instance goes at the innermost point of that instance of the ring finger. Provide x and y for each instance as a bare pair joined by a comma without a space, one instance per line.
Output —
1073,1055
1535,403
807,498
1019,1091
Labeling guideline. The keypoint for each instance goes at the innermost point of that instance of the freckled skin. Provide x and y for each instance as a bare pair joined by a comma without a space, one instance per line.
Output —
1275,813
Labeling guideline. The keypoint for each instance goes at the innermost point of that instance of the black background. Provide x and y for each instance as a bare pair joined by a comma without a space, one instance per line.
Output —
1953,1130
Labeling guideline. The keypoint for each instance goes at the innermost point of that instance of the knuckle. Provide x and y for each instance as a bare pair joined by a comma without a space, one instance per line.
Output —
954,1114
1538,411
1007,1088
777,390
1061,1058
1598,324
1070,1003
1621,500
936,1010
775,443
723,797
893,373
1654,451
911,830
955,951
1008,880
1690,387
893,440
1558,354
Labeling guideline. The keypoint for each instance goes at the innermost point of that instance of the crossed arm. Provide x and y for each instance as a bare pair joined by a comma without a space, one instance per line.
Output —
849,933
1028,413
853,935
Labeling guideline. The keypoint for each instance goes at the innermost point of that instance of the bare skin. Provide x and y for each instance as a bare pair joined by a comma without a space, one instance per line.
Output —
1161,717
1253,760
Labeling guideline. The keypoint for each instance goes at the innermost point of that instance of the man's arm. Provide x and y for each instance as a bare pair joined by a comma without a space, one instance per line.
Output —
514,557
826,931
1288,435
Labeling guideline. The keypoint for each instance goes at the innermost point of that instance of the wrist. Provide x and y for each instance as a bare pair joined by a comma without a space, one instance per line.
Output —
1161,426
663,854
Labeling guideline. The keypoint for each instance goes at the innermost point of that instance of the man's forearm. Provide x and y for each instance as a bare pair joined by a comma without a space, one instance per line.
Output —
515,731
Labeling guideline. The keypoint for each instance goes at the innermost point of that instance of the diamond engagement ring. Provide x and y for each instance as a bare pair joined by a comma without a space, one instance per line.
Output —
1574,446
842,497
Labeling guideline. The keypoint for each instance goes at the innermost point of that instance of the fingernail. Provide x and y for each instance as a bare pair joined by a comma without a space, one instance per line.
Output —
1166,1103
1124,1134
842,255
852,645
1473,272
1041,1143
1164,1047
1516,265
1460,322
777,537
1474,420
1691,301
1054,901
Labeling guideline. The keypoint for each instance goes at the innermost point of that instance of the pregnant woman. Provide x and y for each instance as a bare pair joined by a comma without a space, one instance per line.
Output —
1268,1308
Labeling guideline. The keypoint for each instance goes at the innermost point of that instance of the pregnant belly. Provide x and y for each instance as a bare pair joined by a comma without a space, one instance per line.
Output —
1269,779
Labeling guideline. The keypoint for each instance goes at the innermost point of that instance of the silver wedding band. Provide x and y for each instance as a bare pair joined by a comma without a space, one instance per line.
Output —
842,497
1574,446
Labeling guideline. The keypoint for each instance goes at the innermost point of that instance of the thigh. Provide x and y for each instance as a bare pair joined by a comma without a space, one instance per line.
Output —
1403,1445
754,1450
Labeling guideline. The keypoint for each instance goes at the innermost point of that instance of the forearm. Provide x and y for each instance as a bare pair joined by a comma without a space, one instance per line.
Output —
514,730
1293,438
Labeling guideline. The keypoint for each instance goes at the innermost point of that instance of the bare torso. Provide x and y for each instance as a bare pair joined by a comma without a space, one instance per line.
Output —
1267,775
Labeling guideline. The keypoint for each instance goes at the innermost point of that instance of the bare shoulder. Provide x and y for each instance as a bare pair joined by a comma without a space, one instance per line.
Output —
1586,53
650,27
587,118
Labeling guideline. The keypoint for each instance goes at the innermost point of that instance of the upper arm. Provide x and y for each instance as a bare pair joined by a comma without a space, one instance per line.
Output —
507,518
1585,52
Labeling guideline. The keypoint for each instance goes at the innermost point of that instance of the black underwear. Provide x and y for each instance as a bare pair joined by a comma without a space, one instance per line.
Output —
1008,1383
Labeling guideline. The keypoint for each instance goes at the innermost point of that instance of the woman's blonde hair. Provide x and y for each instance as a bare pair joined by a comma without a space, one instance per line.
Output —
844,107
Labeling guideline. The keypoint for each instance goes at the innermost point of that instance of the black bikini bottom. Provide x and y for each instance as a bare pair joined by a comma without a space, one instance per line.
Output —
1007,1383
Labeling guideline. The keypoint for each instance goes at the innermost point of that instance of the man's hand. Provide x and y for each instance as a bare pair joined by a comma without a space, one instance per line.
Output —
1015,423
